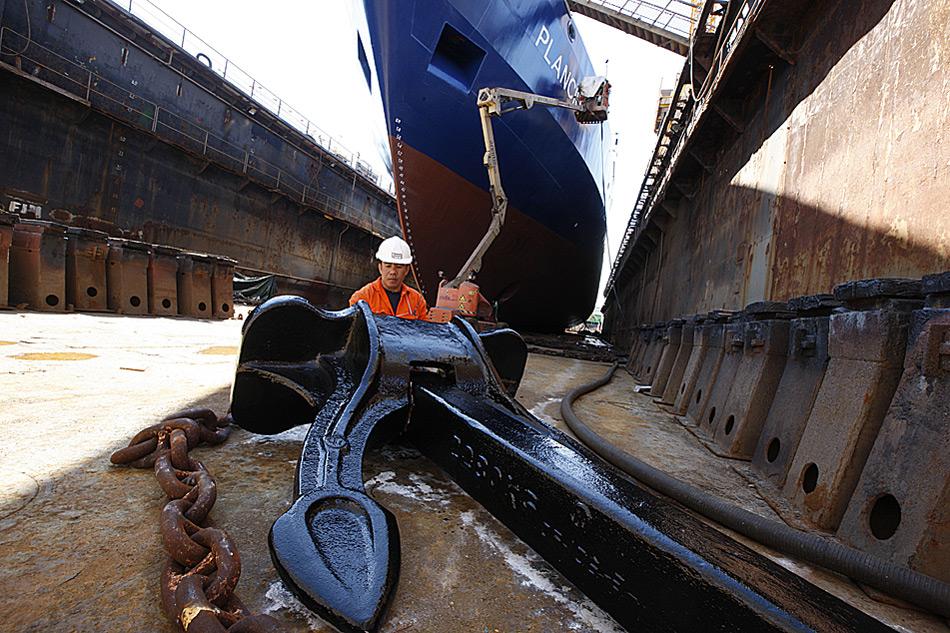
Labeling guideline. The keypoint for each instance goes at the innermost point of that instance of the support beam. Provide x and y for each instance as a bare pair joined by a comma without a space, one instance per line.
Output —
670,207
653,232
729,115
773,45
688,187
703,157
630,23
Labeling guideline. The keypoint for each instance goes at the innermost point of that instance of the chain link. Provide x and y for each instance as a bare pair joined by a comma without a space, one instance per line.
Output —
203,564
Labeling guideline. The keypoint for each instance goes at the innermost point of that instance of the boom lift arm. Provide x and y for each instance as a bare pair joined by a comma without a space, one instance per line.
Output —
590,106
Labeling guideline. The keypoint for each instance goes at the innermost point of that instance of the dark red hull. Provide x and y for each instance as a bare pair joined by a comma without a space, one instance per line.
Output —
538,280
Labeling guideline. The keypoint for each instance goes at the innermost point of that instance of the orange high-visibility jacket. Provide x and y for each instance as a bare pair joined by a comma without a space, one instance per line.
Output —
412,305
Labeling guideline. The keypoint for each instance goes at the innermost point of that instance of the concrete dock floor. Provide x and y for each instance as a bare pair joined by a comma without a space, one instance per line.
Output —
79,542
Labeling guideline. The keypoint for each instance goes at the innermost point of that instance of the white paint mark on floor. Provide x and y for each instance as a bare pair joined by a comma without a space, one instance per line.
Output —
588,616
278,597
539,410
418,488
295,434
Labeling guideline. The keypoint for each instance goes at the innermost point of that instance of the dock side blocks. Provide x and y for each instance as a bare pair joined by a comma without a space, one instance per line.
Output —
222,288
674,332
805,365
765,342
646,349
163,281
689,336
38,265
866,345
900,510
127,276
654,353
732,344
194,284
639,340
86,254
646,336
7,221
714,334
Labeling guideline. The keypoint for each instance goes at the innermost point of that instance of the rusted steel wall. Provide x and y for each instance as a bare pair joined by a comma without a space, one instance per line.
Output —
96,53
842,171
106,124
867,186
63,162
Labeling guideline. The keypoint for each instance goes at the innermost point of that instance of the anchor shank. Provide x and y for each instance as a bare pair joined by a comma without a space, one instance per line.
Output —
649,564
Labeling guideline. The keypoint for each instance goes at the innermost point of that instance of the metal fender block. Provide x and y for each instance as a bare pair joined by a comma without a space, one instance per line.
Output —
359,378
702,377
673,336
688,338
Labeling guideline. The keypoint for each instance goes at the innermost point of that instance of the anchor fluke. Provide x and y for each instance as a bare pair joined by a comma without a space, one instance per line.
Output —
338,551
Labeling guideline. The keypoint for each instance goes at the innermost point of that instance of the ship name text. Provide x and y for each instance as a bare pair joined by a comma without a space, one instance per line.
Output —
562,71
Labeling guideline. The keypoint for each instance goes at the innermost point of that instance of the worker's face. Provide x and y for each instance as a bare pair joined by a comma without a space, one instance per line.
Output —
393,275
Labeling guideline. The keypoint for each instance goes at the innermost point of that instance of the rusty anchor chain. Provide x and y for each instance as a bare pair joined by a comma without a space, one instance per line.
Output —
203,565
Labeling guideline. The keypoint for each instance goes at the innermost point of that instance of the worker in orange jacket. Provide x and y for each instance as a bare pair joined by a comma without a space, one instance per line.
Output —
388,294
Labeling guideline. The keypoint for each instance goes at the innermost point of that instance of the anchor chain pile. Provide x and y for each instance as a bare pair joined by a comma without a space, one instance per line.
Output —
203,565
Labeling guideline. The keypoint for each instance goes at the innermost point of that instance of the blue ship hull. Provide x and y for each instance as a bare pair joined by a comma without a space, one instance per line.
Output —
431,57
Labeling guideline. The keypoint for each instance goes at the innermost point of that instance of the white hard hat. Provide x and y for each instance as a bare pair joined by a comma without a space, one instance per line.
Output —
394,250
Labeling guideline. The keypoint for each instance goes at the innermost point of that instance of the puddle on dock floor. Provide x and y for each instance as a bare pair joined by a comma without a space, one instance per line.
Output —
220,350
54,356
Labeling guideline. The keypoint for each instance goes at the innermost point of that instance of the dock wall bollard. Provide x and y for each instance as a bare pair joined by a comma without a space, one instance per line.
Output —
765,343
689,336
222,288
700,378
7,220
163,281
127,276
806,361
900,509
86,253
194,285
866,345
38,265
671,338
732,344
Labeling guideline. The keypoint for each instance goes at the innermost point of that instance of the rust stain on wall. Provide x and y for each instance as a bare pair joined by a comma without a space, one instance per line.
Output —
842,172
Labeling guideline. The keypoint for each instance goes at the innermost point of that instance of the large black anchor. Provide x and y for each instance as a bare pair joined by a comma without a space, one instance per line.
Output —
360,378
347,373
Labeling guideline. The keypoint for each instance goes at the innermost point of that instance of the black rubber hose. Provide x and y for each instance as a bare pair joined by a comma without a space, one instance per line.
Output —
901,582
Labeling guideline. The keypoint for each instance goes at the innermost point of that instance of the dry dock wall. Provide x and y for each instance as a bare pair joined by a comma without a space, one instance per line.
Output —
111,177
105,124
824,157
